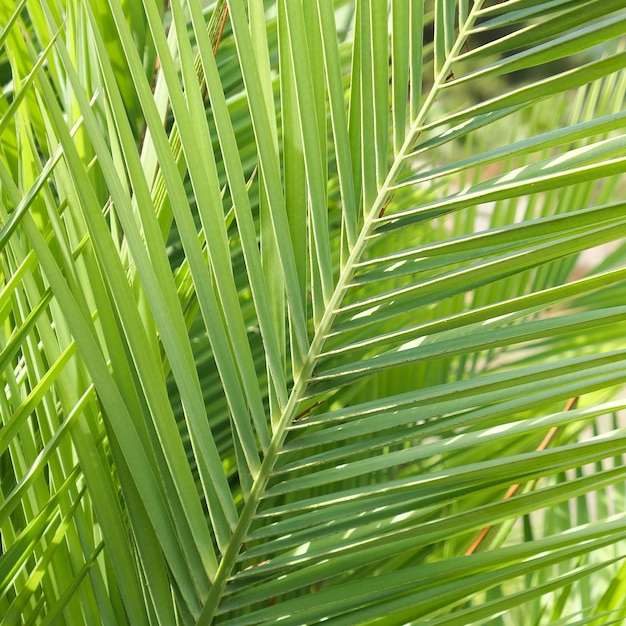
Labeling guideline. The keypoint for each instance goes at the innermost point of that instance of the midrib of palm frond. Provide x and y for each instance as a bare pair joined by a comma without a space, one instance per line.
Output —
306,375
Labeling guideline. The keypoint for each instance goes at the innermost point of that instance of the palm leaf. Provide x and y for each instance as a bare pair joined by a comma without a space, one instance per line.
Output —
287,313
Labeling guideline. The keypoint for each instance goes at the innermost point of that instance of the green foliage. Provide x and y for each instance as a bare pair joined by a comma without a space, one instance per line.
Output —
292,294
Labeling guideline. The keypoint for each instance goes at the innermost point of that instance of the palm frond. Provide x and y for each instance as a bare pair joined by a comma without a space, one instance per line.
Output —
291,294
